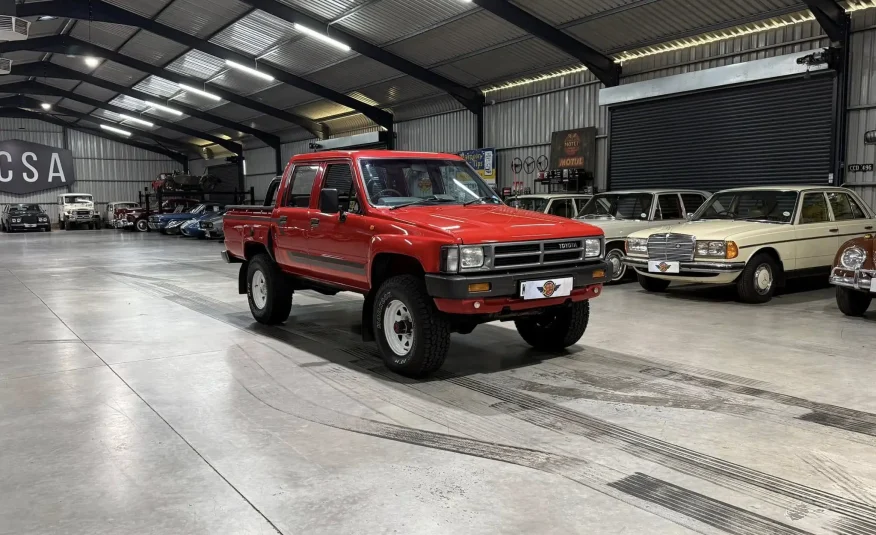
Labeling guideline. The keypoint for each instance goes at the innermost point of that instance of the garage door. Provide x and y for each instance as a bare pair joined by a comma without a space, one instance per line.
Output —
768,133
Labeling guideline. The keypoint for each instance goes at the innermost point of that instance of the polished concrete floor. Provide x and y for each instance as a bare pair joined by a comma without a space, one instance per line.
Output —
138,396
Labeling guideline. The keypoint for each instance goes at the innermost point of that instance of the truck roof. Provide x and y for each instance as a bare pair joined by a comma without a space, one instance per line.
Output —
356,154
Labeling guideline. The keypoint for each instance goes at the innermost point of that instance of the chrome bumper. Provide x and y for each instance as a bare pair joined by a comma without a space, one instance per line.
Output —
861,280
690,267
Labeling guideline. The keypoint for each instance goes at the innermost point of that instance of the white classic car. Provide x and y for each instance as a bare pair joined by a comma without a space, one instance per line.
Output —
619,213
559,204
754,237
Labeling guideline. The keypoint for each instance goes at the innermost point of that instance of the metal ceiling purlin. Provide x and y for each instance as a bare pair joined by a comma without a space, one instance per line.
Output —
830,16
36,88
602,66
71,45
25,114
52,70
470,98
98,10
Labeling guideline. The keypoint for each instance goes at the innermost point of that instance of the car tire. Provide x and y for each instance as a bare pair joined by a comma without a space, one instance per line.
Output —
268,291
852,302
422,349
652,284
557,329
615,256
141,225
67,225
757,282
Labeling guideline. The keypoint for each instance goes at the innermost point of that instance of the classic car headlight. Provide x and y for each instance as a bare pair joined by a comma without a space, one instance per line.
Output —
471,257
853,258
16,220
637,245
43,219
592,247
711,248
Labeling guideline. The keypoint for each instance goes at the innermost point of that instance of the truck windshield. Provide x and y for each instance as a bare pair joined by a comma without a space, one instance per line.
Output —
618,206
402,181
77,198
535,204
770,206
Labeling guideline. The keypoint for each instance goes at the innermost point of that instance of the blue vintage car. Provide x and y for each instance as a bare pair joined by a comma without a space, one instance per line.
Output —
203,227
171,223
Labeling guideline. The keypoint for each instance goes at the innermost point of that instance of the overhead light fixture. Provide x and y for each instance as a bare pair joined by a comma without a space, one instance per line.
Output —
135,120
322,37
92,61
163,108
197,91
116,130
46,106
44,18
249,70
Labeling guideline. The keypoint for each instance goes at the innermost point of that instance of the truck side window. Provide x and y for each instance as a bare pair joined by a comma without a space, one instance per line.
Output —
339,176
302,186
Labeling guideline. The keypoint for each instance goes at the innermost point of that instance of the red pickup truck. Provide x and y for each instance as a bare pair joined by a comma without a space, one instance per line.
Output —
427,242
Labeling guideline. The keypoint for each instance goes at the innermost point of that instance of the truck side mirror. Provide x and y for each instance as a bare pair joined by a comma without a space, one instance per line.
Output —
328,201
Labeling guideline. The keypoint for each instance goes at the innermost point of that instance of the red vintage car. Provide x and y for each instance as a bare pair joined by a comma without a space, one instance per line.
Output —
854,275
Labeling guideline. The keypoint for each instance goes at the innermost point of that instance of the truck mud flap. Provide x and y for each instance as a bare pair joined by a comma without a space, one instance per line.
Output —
241,277
368,318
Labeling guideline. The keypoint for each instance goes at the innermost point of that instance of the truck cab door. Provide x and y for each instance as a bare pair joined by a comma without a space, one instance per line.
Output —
293,219
339,243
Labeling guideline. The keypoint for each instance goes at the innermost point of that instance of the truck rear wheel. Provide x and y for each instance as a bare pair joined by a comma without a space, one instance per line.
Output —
413,335
268,291
556,329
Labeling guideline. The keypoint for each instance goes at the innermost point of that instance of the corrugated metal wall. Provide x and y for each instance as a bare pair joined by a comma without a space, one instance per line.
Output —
447,132
108,170
862,105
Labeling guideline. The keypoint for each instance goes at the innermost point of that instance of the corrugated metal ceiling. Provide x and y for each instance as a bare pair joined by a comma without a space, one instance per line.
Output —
141,7
201,17
157,86
387,20
255,33
283,96
151,48
102,33
197,64
305,55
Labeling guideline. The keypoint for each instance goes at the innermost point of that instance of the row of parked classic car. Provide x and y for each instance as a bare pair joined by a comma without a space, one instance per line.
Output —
756,238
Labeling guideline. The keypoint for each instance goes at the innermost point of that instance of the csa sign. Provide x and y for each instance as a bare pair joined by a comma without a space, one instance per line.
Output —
29,167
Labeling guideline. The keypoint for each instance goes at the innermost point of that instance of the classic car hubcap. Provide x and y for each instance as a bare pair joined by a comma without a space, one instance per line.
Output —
259,290
398,327
618,269
763,279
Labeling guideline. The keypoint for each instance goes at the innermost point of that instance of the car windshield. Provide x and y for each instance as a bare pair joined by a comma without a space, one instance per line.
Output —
535,204
25,208
77,198
618,206
403,181
770,206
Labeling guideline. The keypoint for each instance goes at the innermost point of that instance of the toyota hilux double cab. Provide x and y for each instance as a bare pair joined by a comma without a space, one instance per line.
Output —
427,242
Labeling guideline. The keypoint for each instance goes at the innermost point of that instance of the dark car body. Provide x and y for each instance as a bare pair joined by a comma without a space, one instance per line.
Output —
24,216
854,275
209,226
171,223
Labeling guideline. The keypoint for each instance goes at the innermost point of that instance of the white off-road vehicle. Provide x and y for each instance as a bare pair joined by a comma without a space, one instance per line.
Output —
77,210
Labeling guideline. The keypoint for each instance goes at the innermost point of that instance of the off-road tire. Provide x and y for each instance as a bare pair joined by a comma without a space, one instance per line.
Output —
559,328
746,286
141,225
652,284
279,296
852,302
431,328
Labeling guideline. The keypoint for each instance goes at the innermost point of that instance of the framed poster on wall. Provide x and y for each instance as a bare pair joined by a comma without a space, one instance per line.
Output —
484,162
574,149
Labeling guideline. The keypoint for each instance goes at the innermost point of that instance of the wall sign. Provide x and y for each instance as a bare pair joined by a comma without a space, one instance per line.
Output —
483,162
27,167
860,168
574,149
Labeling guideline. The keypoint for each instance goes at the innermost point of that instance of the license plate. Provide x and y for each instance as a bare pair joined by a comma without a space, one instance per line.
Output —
28,225
662,266
545,289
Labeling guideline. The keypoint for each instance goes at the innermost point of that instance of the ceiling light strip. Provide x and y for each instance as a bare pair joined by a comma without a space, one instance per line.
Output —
249,70
201,92
136,120
116,130
322,37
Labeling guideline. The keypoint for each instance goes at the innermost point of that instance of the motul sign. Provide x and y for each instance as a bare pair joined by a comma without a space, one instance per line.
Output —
29,167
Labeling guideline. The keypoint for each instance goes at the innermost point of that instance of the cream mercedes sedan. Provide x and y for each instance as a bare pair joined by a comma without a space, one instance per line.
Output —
753,237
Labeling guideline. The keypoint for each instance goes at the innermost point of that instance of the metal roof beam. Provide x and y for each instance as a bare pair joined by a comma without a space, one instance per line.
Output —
32,87
831,17
101,11
64,44
52,70
25,114
470,98
602,66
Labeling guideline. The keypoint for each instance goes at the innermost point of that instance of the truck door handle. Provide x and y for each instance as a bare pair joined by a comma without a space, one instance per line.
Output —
282,220
314,222
868,227
833,230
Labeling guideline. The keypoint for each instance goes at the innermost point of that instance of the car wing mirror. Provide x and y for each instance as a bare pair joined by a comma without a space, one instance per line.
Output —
328,201
688,216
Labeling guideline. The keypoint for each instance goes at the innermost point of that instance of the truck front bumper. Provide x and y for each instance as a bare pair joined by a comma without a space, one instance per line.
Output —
452,293
861,279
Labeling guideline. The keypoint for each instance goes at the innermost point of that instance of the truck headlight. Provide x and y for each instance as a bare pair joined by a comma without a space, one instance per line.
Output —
637,245
853,258
714,249
471,257
592,247
450,259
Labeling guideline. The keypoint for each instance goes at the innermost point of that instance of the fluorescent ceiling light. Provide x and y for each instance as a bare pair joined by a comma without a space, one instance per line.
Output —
249,70
322,37
163,108
92,61
135,120
197,91
46,17
116,130
46,106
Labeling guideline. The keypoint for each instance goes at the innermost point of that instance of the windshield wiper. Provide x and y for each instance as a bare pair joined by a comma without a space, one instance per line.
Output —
424,200
479,199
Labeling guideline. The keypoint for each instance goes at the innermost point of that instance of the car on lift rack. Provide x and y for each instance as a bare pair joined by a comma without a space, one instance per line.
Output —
171,223
24,216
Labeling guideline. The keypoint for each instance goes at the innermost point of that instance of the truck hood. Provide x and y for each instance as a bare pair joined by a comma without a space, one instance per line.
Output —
479,223
718,230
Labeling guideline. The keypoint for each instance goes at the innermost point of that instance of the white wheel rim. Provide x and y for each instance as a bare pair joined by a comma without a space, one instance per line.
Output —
398,328
259,290
763,279
618,269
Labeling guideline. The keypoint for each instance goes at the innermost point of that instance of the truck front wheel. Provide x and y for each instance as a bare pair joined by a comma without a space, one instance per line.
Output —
556,329
268,291
413,335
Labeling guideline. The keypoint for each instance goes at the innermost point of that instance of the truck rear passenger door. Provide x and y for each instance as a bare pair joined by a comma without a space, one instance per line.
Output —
294,213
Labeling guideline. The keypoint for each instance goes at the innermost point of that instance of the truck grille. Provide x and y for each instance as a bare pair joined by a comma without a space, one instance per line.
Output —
539,253
671,247
83,213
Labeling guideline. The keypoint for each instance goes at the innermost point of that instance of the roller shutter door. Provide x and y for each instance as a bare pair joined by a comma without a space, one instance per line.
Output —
768,133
